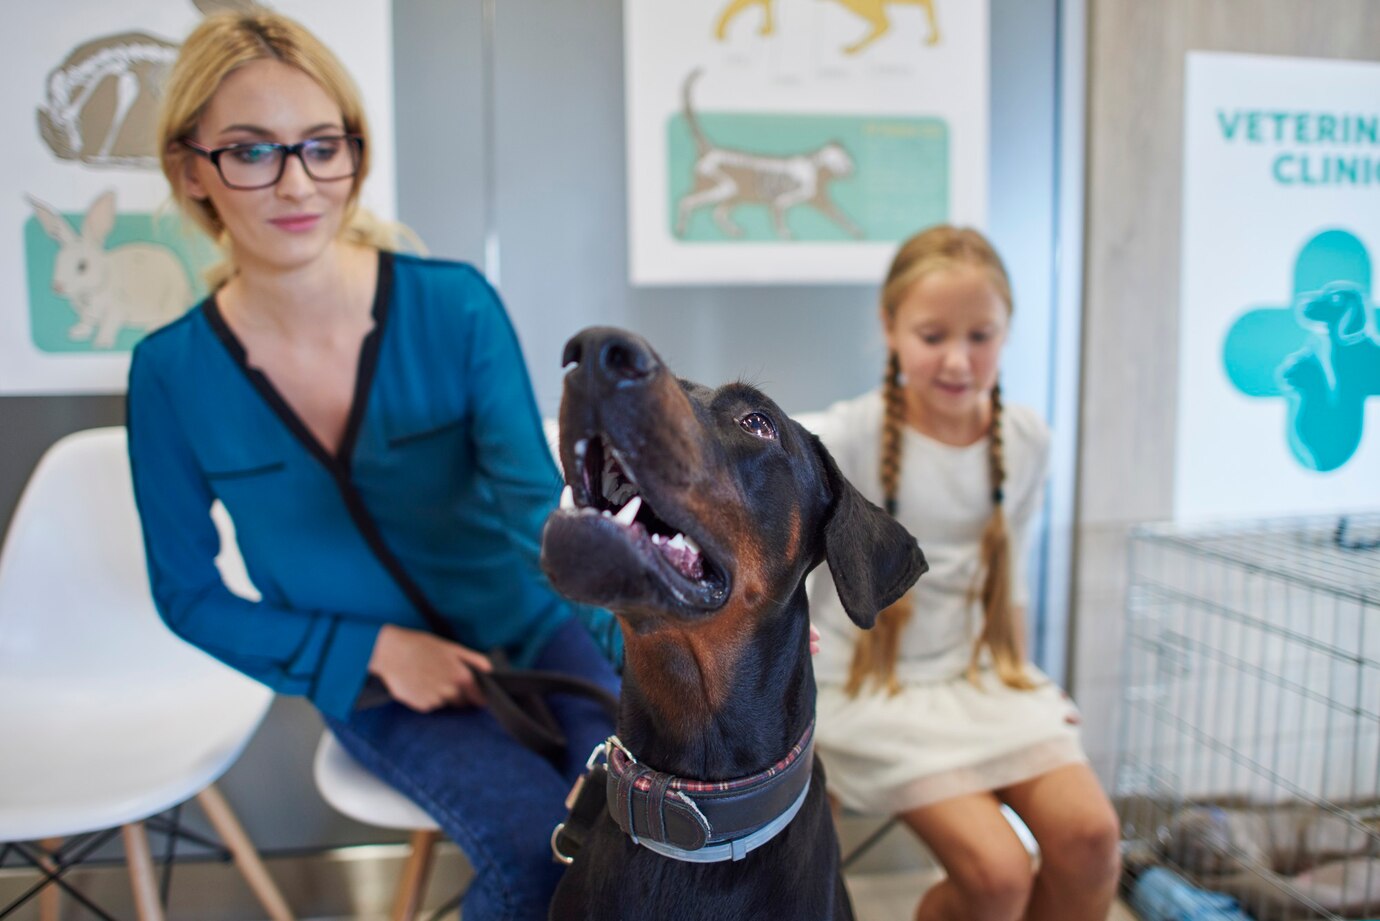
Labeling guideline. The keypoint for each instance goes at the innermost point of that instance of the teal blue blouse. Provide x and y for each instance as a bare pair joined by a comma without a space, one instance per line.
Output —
435,499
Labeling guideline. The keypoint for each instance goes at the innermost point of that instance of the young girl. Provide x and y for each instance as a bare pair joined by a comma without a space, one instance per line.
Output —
366,419
934,715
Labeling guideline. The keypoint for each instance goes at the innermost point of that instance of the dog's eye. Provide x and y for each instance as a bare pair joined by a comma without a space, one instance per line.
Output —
759,425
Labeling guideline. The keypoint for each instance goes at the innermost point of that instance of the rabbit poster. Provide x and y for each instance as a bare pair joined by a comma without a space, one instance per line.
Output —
118,276
797,141
1279,349
94,256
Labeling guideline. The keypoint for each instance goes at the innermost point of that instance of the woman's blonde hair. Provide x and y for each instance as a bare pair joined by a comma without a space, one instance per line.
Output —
221,44
875,655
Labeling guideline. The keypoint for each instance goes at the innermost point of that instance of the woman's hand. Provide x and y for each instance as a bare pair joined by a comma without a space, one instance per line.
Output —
424,672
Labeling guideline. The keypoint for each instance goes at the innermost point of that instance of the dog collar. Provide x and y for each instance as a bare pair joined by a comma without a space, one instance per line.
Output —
706,821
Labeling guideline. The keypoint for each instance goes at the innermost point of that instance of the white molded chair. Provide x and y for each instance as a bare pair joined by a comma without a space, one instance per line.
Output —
355,792
107,718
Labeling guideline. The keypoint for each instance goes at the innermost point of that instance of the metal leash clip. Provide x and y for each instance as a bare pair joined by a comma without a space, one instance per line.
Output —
572,798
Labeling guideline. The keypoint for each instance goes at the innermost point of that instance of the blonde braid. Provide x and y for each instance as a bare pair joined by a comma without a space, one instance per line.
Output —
999,628
878,650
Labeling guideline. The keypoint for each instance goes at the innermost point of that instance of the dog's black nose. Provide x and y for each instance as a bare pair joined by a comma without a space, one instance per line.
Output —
613,354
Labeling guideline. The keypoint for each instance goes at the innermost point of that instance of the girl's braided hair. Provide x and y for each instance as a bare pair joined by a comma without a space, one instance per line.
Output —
876,653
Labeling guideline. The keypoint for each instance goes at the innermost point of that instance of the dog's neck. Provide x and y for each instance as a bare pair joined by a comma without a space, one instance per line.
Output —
715,702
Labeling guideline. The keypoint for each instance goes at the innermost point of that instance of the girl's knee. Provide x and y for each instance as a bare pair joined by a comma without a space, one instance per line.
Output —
1087,847
995,885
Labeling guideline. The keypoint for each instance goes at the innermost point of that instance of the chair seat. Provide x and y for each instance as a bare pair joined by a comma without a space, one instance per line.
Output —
352,790
78,758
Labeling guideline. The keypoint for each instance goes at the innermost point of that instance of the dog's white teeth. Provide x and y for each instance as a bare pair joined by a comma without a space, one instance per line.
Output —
658,539
677,542
581,447
628,514
567,499
606,513
691,545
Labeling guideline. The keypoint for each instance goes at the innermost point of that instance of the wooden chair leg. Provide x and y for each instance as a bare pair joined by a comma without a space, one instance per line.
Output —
242,850
412,886
141,876
49,907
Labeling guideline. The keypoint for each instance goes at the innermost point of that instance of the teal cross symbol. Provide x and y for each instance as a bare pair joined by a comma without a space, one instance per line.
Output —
1321,353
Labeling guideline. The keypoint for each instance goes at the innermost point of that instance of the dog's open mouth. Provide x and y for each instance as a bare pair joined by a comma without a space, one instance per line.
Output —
603,495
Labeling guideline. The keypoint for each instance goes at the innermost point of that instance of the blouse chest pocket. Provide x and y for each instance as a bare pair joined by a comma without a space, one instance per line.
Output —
245,478
248,482
435,431
230,459
422,464
235,472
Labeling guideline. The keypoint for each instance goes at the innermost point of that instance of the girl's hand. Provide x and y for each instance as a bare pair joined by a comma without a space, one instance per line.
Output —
814,640
424,672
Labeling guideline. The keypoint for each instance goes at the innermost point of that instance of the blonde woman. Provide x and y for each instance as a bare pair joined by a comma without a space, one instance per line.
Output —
366,418
935,715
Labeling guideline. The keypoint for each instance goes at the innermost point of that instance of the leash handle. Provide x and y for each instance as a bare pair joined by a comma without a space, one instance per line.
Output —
516,699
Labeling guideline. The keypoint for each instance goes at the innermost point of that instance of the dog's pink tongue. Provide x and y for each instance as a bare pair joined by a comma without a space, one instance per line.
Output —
686,561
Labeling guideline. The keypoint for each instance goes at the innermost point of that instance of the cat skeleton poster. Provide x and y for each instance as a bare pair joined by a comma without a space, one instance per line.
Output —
798,141
93,255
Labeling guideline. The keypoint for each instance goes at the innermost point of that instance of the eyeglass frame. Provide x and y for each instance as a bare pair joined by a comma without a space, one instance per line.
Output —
289,150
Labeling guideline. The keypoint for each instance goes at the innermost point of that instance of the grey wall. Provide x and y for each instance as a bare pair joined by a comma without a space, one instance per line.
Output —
509,122
556,156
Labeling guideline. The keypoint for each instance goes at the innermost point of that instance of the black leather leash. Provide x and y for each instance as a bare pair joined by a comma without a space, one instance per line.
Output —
517,699
516,696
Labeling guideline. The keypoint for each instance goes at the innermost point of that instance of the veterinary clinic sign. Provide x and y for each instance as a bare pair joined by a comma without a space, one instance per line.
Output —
91,260
786,141
1313,148
1279,355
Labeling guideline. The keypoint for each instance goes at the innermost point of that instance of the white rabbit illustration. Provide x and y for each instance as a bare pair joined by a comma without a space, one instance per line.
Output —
139,285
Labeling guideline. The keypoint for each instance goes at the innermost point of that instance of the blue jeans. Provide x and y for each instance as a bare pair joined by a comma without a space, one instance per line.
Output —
497,800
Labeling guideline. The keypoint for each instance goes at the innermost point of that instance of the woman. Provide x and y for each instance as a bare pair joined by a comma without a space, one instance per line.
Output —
367,421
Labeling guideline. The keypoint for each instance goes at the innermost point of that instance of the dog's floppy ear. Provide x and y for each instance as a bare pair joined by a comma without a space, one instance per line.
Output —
873,559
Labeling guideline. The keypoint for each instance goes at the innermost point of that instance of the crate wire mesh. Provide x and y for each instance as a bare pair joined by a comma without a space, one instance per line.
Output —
1249,757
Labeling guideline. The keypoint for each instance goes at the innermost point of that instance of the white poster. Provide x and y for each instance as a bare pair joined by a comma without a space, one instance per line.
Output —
781,141
1279,356
87,208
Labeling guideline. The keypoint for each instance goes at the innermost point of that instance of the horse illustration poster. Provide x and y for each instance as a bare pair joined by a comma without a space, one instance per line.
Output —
92,254
1279,374
797,141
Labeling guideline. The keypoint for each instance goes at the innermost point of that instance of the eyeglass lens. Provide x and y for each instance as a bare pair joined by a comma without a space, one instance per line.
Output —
255,165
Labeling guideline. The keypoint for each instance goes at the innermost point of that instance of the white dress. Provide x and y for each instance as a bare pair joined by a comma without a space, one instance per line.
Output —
941,736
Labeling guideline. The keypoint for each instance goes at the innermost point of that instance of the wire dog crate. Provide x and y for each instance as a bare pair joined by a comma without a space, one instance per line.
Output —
1250,730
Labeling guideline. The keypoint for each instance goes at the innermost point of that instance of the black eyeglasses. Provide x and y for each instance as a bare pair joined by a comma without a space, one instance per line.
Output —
260,164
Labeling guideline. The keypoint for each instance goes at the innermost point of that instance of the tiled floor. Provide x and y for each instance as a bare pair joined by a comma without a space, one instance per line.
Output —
893,896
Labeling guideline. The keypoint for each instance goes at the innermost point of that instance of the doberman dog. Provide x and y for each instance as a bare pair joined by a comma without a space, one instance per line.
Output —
694,514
